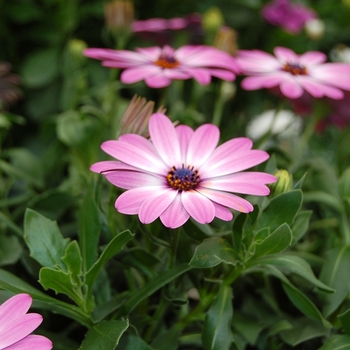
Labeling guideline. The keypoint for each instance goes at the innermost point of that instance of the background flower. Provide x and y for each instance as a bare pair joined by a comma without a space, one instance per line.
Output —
159,66
16,325
294,73
180,173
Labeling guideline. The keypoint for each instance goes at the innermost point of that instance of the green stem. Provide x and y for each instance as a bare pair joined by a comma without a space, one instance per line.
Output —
219,107
345,228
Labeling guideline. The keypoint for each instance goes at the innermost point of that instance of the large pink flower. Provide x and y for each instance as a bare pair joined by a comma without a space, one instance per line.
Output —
180,173
294,73
16,325
291,17
159,66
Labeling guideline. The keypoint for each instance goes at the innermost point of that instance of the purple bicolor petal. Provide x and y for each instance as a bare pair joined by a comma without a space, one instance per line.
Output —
227,200
132,155
184,134
37,342
202,144
198,206
165,139
14,307
130,201
175,215
154,206
18,328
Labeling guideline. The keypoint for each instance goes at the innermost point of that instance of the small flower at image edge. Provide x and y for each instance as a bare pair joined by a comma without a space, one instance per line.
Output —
159,66
181,173
294,73
16,325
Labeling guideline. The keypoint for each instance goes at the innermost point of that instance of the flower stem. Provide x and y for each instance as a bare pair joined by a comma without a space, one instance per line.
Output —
219,107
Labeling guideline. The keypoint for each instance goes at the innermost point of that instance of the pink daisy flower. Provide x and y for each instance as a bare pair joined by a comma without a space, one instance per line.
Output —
16,325
289,16
159,66
180,173
294,73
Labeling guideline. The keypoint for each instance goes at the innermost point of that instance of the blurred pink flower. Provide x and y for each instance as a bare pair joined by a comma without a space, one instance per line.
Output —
159,66
294,73
291,17
161,24
16,325
180,173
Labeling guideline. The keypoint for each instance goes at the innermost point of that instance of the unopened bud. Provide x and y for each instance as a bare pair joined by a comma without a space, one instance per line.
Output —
283,184
119,15
212,19
76,48
226,40
315,28
228,90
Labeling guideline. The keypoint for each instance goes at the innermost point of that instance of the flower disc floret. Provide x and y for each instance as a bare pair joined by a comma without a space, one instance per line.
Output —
167,62
180,173
294,69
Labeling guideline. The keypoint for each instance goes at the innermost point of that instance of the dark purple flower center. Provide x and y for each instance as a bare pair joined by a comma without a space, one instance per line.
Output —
294,69
167,61
183,179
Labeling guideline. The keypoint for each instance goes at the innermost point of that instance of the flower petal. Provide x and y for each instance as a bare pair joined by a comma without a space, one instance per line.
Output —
37,342
165,139
202,75
202,144
133,179
15,307
222,212
136,74
291,88
284,54
175,215
153,207
227,199
110,165
130,201
198,206
261,81
184,134
16,329
158,81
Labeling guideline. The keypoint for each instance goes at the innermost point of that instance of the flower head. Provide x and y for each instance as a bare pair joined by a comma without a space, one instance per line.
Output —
294,73
16,325
180,173
291,17
159,66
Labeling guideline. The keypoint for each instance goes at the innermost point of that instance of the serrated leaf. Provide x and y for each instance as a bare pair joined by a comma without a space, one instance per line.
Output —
212,252
337,342
44,239
104,335
276,242
292,264
217,334
335,273
282,209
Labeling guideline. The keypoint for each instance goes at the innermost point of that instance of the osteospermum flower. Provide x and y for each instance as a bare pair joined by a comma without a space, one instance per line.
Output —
16,325
180,173
294,73
159,66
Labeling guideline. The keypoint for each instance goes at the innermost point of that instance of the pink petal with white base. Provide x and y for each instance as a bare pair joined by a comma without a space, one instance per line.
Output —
36,342
164,138
202,144
153,207
175,215
198,206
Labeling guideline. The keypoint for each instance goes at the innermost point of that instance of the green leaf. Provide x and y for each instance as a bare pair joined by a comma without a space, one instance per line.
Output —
14,284
40,68
130,341
335,273
168,340
282,209
212,252
44,239
345,321
73,261
278,241
89,229
337,342
104,335
300,225
217,333
292,264
152,286
324,198
60,282
113,247
10,249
